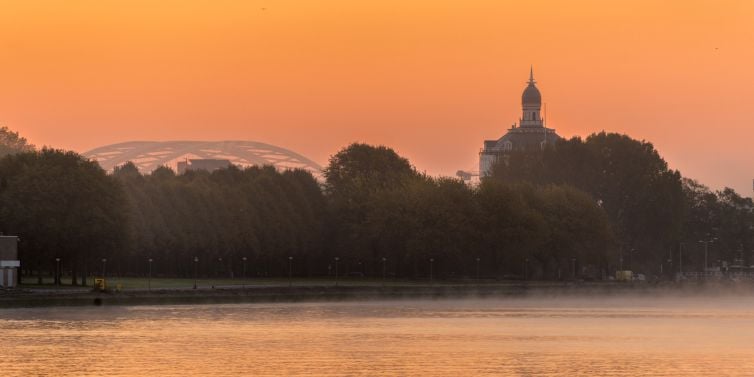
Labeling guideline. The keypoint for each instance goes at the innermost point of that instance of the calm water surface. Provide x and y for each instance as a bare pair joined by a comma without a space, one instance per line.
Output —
556,337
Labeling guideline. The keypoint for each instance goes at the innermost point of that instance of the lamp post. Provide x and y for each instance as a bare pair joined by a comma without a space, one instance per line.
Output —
631,260
384,270
290,271
57,271
219,266
620,259
477,268
706,254
244,266
573,268
104,267
740,261
336,270
149,279
196,261
431,270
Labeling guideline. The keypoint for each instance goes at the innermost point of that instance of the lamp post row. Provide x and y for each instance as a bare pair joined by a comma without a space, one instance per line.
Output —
58,272
57,280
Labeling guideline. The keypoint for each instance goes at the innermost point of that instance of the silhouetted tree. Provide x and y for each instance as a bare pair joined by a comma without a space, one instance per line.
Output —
11,142
61,205
642,197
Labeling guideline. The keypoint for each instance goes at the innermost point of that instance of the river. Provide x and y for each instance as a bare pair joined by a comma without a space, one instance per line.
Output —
476,337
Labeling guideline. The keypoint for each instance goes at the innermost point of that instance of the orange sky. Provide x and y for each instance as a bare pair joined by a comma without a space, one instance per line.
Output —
432,79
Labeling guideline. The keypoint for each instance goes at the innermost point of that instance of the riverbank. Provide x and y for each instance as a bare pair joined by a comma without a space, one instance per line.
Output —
31,297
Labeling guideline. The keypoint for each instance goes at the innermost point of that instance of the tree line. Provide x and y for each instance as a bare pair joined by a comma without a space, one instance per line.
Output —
657,216
581,208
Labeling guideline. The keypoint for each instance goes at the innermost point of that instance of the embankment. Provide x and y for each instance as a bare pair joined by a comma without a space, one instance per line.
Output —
269,294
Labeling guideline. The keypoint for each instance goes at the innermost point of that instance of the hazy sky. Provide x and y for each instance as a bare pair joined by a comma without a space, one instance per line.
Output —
432,79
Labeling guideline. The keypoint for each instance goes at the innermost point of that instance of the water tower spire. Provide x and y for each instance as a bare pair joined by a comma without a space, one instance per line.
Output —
531,102
531,75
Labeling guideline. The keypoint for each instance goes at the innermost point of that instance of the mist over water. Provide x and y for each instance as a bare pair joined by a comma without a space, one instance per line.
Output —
607,336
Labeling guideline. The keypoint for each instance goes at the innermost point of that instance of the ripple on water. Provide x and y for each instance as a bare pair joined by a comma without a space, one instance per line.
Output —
439,338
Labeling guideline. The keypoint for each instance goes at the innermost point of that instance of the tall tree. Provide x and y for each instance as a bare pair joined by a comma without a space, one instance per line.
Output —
359,182
61,205
642,197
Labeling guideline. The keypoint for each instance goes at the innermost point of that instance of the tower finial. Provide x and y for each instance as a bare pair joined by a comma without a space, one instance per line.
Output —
531,75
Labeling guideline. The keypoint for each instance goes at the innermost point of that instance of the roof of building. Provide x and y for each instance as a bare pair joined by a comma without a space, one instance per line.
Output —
522,138
149,155
531,135
531,94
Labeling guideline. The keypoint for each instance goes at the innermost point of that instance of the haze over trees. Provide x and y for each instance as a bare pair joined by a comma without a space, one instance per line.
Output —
651,208
581,208
222,217
382,208
722,218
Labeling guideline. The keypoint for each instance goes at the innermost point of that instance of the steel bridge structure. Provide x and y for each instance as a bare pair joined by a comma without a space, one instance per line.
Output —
149,155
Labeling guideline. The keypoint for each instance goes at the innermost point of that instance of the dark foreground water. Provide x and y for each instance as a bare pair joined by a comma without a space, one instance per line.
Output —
554,337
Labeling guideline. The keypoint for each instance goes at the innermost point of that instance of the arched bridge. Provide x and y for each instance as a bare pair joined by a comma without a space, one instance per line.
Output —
149,155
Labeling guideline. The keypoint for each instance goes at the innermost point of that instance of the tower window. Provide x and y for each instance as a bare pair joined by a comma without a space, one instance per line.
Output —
507,146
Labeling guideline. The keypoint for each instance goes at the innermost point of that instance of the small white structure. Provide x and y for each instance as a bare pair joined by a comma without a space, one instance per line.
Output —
9,262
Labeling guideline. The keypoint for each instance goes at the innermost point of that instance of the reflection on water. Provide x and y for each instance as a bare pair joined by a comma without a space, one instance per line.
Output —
606,337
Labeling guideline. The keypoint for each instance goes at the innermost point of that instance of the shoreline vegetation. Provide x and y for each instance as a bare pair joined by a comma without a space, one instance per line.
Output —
603,207
279,291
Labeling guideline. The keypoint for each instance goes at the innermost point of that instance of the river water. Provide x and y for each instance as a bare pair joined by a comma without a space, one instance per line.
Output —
546,336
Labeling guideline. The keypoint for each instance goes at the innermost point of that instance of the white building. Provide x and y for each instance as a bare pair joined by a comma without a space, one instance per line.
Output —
9,262
529,135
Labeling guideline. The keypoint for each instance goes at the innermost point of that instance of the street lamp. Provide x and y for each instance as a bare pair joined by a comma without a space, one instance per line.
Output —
244,266
290,271
740,261
196,261
431,269
57,271
384,270
104,267
573,268
219,266
336,270
631,260
149,279
706,253
620,259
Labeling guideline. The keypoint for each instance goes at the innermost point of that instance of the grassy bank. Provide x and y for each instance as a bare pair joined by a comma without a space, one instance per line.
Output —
139,283
180,291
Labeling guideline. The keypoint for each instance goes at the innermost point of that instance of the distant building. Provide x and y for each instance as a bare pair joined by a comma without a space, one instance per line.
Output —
9,262
150,155
530,134
205,164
